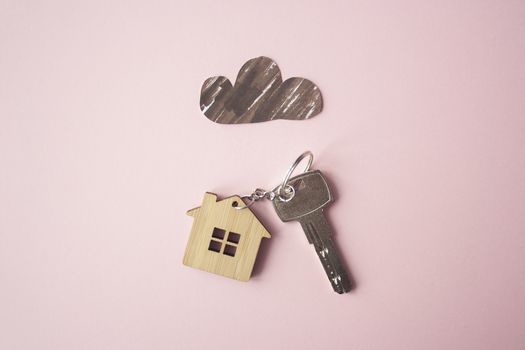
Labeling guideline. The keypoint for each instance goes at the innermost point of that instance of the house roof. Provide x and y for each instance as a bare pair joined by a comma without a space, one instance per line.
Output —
211,197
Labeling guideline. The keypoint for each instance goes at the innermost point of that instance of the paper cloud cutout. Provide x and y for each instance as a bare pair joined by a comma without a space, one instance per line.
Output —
259,95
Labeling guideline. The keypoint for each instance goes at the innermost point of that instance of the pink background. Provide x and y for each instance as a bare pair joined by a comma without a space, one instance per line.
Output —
103,148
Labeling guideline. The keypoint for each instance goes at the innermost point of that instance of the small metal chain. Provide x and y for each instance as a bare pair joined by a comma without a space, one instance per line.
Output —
283,192
256,195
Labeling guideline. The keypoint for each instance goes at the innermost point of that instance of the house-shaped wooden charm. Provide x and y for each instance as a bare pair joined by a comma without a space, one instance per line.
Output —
224,240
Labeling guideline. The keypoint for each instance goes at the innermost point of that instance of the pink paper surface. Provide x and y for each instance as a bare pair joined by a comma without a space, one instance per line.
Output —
103,148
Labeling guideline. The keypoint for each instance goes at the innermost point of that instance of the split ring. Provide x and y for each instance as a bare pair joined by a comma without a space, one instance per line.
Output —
285,185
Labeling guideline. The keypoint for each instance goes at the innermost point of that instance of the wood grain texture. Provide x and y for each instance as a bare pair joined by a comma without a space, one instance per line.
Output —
221,216
259,95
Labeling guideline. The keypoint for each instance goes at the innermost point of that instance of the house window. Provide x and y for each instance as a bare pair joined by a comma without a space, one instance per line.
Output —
220,238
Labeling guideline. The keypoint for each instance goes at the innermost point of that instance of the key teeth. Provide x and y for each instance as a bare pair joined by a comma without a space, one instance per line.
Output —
337,286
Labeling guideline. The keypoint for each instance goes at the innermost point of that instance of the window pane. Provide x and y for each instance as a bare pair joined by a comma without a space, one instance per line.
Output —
234,237
230,250
215,246
218,233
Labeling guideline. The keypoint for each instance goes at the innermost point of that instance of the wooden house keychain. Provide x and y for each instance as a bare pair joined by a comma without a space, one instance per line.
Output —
226,235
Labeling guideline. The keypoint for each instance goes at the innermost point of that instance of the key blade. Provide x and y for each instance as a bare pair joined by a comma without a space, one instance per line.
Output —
333,267
311,193
318,232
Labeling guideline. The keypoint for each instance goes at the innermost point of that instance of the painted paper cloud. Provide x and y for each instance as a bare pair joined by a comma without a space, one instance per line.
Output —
259,95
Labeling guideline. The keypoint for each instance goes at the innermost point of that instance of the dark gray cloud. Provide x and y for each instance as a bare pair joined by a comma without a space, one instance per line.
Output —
259,95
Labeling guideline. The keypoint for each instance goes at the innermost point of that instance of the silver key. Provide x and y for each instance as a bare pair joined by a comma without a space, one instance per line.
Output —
310,195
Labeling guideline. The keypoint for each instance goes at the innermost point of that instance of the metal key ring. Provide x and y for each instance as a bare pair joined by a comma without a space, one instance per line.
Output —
291,194
285,185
